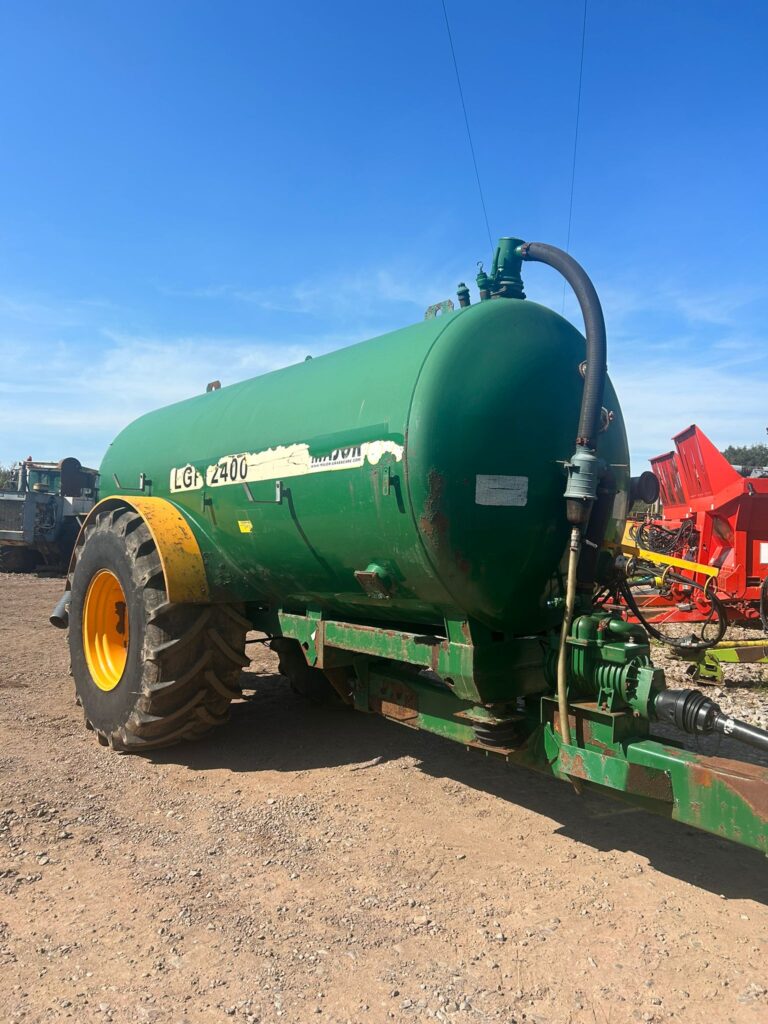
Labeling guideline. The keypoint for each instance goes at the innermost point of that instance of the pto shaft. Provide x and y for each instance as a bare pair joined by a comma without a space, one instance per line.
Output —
692,712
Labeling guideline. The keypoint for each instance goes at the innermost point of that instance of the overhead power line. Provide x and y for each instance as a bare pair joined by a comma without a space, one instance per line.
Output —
466,123
576,136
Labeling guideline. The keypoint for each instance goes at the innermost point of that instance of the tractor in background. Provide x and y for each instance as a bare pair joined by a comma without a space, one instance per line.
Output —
41,511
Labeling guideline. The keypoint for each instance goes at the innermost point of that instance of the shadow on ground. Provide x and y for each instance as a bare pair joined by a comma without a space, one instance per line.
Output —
273,729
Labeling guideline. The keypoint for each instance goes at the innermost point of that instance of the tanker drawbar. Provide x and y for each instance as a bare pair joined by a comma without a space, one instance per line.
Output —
427,525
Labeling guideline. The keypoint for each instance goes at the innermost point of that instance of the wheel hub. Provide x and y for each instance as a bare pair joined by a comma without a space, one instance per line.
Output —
105,630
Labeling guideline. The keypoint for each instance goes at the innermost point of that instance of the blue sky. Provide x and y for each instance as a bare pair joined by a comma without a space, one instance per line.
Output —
203,190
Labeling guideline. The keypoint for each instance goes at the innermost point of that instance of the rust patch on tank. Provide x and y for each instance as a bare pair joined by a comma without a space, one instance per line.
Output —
462,564
433,521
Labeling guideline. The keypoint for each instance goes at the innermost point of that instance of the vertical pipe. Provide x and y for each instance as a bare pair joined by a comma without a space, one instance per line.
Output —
562,653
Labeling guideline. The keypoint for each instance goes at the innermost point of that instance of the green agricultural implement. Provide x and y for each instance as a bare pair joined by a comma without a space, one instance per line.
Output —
410,522
707,665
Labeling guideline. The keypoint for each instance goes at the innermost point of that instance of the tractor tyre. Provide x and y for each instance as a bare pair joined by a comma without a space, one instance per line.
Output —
147,673
14,558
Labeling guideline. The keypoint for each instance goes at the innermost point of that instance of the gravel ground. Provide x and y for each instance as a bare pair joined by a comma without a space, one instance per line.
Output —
304,864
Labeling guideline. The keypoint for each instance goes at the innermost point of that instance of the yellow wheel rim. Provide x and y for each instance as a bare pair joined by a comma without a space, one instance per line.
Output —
105,630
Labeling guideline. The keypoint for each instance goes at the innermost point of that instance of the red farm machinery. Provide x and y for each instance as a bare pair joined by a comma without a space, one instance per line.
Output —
703,558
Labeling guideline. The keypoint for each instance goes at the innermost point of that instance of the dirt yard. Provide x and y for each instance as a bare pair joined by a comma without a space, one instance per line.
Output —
316,865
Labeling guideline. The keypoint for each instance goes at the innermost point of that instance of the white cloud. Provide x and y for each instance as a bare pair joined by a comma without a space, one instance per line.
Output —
680,356
729,406
344,295
64,400
71,377
73,403
717,306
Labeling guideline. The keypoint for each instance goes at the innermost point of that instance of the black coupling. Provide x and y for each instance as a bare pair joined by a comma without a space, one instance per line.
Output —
692,712
688,710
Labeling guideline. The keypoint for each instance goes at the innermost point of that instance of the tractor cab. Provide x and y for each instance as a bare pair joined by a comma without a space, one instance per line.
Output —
41,510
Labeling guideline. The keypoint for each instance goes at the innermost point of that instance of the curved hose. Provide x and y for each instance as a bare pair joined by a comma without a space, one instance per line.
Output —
586,437
594,332
654,537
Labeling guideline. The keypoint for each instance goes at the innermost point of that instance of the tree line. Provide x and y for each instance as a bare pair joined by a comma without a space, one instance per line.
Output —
747,456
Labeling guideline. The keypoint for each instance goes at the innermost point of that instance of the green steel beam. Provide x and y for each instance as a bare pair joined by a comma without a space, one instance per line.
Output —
707,665
475,666
724,797
327,642
611,745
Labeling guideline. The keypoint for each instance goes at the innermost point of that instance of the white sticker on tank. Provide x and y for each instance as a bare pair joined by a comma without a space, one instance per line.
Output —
501,490
185,478
339,458
763,553
281,463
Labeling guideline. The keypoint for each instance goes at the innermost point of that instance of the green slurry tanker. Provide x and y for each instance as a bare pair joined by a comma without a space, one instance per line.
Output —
429,522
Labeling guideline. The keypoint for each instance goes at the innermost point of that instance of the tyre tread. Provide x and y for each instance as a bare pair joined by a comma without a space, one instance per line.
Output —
193,654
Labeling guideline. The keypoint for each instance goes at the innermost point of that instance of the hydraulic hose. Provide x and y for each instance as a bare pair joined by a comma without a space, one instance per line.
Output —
565,629
692,644
594,331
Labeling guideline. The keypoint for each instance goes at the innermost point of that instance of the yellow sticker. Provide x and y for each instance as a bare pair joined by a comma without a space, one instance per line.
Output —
246,526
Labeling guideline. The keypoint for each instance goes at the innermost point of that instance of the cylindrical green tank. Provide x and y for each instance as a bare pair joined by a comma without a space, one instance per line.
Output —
411,478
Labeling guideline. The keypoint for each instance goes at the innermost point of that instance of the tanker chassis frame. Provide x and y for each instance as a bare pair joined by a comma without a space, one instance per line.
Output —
460,681
395,674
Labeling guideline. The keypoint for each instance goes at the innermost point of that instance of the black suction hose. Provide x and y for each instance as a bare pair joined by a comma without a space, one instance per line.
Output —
584,468
594,330
689,710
